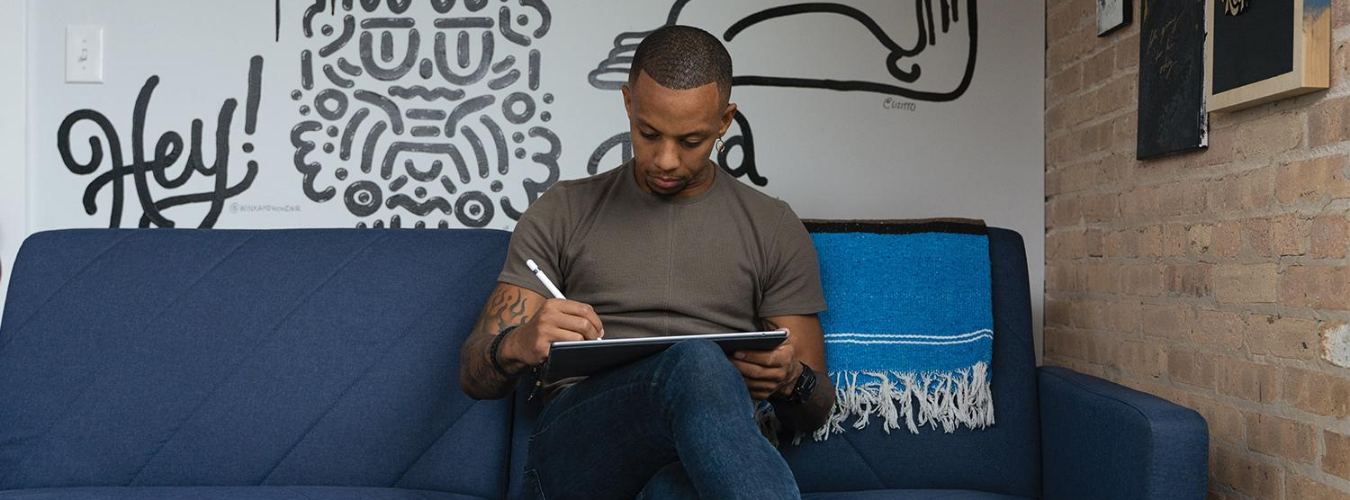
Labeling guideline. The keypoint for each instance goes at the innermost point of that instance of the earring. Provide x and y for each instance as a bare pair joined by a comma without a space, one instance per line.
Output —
721,145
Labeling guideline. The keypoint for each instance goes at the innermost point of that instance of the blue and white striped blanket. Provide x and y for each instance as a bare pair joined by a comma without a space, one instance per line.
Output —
909,330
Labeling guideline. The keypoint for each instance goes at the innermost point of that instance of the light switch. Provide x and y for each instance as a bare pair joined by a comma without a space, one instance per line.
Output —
84,54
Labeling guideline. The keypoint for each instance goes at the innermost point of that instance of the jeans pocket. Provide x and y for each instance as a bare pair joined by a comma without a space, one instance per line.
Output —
532,489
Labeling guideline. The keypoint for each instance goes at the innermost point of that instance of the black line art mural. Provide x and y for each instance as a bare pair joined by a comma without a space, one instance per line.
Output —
106,145
935,22
418,124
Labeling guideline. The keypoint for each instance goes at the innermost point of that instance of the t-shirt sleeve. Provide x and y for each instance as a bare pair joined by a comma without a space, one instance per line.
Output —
539,236
793,278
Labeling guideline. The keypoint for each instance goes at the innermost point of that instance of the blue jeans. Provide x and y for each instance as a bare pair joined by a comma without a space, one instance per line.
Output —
677,425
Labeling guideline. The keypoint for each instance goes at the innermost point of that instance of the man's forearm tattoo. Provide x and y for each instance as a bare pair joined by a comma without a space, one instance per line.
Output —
504,309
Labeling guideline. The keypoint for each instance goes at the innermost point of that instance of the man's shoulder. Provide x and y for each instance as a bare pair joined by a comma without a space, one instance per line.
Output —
757,202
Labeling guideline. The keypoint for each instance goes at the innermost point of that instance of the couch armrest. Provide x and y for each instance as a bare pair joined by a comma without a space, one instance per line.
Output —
1105,441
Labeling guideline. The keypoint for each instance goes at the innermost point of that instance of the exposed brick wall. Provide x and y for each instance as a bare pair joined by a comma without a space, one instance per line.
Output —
1219,279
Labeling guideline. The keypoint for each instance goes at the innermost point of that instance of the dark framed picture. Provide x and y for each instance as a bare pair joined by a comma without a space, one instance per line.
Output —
1263,50
1112,15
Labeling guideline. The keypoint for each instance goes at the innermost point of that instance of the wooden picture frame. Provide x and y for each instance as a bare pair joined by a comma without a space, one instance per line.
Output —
1260,51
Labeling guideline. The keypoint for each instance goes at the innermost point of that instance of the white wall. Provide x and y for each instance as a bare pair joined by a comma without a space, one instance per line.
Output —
830,153
13,128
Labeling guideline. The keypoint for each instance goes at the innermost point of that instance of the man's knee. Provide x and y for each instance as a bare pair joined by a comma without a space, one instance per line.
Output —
702,361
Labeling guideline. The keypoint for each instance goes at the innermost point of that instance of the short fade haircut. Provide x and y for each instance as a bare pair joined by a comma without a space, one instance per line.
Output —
682,58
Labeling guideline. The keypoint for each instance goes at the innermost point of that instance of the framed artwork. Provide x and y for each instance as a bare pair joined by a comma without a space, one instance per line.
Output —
1172,117
1112,15
1263,50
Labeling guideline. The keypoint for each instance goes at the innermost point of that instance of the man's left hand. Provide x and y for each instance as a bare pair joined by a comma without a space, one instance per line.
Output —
768,373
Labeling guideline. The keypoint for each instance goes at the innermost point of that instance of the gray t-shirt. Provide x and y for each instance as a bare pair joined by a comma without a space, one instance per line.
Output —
650,266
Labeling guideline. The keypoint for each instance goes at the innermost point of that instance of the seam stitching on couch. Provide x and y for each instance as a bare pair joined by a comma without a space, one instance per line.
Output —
187,289
24,323
85,390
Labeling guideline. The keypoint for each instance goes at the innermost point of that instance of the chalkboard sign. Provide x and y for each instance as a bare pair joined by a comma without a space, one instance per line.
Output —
1260,51
1172,115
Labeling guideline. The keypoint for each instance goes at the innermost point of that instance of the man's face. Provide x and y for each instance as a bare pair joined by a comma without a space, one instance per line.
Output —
673,133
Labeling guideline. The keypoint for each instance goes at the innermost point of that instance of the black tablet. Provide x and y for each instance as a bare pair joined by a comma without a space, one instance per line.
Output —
587,357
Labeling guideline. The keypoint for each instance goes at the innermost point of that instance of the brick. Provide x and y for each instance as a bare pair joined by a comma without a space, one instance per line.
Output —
1115,96
1143,280
1096,137
1337,459
1101,349
1056,121
1140,200
1182,197
1150,242
1100,67
1336,344
1219,329
1289,233
1316,393
1098,208
1061,23
1190,280
1330,237
1270,135
1251,477
1142,359
1314,180
1221,146
1226,240
1127,53
1123,318
1283,337
1247,283
1103,278
1066,82
1199,238
1226,423
1063,344
1191,367
1299,487
1174,240
1243,191
1256,234
1093,242
1249,381
1126,132
1281,438
1320,287
1171,322
1327,122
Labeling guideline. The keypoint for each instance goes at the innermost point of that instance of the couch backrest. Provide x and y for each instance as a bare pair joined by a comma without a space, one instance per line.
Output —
1004,458
288,357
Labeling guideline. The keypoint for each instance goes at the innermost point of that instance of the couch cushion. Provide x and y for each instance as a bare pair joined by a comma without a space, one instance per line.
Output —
1004,458
231,493
232,358
908,495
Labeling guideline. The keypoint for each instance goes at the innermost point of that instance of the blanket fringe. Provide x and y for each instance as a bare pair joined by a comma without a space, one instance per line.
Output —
946,400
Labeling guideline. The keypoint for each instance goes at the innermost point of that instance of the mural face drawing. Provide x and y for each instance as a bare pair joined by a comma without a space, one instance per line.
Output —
417,123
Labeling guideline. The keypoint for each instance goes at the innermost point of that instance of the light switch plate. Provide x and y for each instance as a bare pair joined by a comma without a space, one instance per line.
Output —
84,54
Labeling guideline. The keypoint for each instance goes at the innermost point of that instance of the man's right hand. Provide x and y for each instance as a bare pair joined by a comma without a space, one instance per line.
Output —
558,320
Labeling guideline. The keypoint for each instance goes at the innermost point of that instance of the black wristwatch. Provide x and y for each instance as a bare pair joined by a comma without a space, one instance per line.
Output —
801,391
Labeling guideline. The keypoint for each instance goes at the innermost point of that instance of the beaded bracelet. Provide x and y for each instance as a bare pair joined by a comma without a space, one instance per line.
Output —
492,351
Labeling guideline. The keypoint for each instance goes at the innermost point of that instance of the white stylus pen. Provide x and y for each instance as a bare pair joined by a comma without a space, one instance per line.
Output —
540,274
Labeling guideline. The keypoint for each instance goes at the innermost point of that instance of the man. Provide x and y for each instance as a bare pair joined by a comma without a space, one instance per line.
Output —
665,244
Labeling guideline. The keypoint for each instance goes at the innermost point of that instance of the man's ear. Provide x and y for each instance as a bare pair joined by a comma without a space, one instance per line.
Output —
727,117
627,100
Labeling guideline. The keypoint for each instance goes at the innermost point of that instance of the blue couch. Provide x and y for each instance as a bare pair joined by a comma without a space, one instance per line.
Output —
322,364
